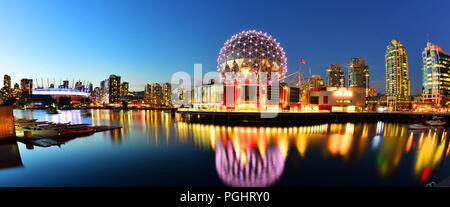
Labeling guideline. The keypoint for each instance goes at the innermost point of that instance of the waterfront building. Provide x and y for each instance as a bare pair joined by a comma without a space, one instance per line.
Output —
148,93
167,94
113,89
26,86
436,72
41,95
335,76
397,75
316,82
337,99
358,74
124,89
157,94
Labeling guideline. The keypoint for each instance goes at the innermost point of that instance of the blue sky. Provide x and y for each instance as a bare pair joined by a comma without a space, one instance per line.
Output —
148,41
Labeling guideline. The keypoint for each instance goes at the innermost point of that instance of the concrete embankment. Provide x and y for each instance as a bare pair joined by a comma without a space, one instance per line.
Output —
290,118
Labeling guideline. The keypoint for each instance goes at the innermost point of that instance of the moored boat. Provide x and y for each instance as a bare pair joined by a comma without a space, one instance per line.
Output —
52,110
418,126
436,121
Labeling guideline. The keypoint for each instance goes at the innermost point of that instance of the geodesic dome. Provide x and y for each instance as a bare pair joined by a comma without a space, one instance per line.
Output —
252,51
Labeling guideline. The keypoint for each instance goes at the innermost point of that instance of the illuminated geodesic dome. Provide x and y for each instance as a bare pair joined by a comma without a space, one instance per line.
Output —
252,51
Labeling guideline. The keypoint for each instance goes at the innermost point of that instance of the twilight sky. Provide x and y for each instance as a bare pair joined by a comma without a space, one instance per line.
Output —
148,41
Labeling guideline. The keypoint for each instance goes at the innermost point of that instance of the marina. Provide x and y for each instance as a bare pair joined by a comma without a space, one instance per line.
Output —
45,134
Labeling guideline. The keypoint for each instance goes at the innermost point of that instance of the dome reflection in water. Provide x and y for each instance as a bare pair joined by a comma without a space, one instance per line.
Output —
247,160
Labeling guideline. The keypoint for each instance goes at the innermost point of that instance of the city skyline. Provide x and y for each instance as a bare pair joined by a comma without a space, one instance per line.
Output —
140,54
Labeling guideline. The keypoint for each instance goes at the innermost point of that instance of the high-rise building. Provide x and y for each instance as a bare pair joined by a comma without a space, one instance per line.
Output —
124,89
436,72
16,92
90,87
97,95
114,89
335,76
397,75
157,94
7,86
148,93
103,93
27,86
167,94
316,82
358,74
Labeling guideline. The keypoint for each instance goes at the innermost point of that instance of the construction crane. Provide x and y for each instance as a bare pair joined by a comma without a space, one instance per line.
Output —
296,80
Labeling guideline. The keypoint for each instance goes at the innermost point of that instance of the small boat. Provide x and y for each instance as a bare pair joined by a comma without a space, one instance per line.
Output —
436,121
52,110
85,112
418,126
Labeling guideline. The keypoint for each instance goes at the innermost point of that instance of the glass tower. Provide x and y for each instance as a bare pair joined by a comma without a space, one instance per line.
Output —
335,76
397,75
436,75
358,74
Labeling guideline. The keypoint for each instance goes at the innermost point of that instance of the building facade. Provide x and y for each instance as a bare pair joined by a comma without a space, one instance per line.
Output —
26,85
148,93
157,94
316,82
335,76
167,94
124,89
103,93
114,89
358,74
436,72
397,74
338,99
7,92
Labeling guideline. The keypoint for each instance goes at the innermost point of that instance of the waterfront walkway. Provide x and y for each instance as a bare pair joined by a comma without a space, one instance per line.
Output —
296,118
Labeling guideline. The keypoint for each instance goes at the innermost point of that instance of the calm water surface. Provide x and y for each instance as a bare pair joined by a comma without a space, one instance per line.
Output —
155,149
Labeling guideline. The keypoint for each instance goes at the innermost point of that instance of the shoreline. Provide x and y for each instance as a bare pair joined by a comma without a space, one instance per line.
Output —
303,118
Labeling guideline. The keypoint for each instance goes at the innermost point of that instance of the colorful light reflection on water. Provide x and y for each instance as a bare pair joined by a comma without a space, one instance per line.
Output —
154,148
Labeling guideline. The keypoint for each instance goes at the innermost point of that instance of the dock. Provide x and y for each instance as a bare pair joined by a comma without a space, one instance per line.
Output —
45,134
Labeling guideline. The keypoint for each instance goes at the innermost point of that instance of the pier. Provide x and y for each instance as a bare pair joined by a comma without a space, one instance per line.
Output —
45,134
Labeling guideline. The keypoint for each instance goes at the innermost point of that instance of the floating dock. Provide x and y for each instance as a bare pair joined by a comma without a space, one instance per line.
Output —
47,134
